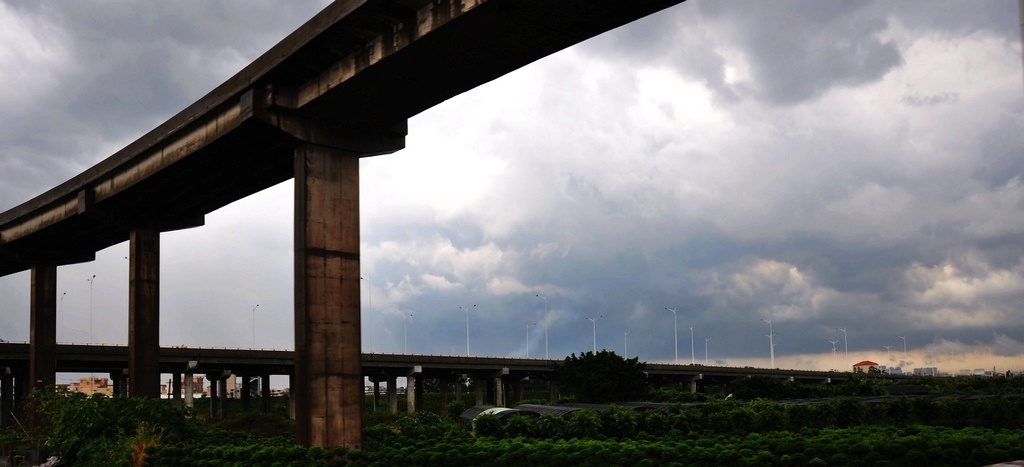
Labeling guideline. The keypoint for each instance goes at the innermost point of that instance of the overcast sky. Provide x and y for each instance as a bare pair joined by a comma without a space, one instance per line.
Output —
819,164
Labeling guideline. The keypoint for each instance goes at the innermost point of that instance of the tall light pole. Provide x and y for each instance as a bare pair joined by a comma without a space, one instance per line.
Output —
834,353
625,344
771,340
62,315
545,325
91,280
706,339
467,325
693,357
594,321
528,326
846,345
254,325
369,308
675,331
904,347
405,323
888,355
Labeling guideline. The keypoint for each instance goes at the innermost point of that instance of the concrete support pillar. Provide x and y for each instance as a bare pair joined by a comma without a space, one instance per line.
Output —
411,386
214,390
553,397
418,390
144,313
291,396
515,390
6,396
265,392
491,399
246,393
190,390
42,356
693,387
458,388
392,389
376,392
499,392
176,389
328,388
444,382
115,381
479,386
225,394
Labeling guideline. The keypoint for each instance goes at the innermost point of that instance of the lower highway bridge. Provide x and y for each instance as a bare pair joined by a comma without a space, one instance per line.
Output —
496,380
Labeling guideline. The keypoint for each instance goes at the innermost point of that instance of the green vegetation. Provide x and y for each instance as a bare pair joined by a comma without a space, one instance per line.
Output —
844,430
602,377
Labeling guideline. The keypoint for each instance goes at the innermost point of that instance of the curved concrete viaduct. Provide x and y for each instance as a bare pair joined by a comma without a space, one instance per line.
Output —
339,88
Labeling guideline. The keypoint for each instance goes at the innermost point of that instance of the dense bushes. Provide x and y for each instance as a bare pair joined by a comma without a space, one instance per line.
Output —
97,430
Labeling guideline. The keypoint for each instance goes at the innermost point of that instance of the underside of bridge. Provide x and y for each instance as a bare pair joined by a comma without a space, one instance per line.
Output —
339,88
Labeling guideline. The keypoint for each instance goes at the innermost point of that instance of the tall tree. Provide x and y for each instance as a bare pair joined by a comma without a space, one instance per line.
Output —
602,377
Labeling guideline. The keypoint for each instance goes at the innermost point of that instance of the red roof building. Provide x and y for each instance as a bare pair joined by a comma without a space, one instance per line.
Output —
867,366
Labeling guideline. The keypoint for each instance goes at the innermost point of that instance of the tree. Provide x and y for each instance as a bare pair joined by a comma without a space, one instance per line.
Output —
602,377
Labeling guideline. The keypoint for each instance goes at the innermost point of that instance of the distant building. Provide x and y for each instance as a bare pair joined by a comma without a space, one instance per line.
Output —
92,385
867,366
929,371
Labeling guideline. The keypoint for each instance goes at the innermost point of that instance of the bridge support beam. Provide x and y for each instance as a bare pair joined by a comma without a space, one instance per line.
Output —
42,354
43,338
328,373
411,395
392,389
265,392
144,313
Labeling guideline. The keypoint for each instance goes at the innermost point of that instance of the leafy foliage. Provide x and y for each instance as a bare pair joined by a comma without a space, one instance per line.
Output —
602,377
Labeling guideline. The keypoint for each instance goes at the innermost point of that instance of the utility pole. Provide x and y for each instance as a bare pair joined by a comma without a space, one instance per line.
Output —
771,340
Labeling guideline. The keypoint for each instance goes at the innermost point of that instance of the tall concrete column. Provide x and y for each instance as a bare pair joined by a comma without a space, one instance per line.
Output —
6,396
458,387
176,390
144,313
42,354
499,392
411,386
190,390
443,383
265,392
246,393
392,389
479,385
328,385
214,389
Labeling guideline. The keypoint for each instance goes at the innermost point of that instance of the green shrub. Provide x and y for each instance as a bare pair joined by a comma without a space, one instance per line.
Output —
487,424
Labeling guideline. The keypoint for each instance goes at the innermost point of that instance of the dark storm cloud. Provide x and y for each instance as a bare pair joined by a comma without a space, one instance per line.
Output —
125,68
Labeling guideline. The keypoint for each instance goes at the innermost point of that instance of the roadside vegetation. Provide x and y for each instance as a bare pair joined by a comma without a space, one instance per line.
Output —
746,429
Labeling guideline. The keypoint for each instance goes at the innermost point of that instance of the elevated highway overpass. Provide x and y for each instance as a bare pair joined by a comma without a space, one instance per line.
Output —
339,88
497,380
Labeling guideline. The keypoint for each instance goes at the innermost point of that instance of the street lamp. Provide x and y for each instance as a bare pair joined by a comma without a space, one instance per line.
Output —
846,345
62,315
405,323
625,344
693,357
771,340
528,326
91,280
888,355
706,339
594,321
467,325
834,353
369,308
675,327
904,347
545,325
254,325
